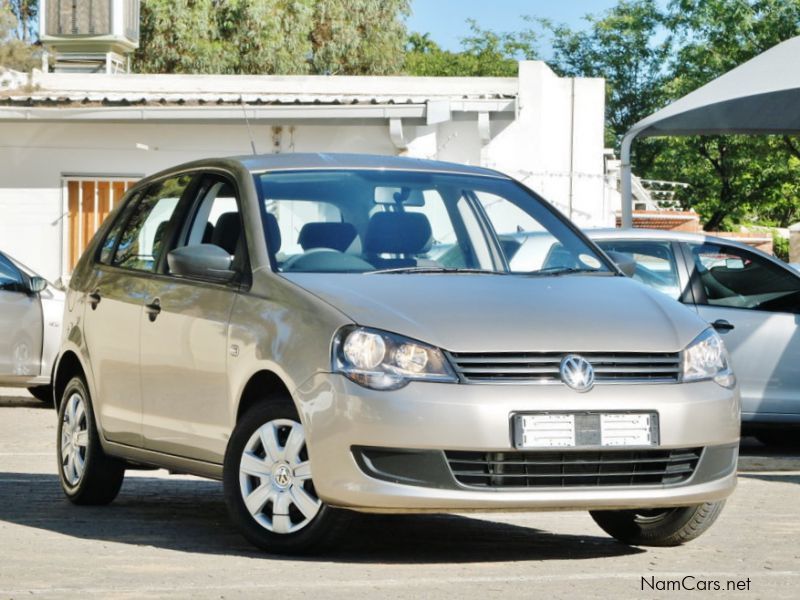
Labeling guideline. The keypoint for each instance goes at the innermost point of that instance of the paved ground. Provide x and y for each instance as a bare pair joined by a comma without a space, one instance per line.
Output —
169,537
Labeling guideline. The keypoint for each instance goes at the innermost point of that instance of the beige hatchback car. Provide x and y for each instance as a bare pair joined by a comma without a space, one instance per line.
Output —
338,333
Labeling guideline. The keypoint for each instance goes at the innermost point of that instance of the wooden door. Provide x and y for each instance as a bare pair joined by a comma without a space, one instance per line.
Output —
89,202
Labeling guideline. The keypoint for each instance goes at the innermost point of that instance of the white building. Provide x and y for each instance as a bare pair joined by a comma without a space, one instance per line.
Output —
71,143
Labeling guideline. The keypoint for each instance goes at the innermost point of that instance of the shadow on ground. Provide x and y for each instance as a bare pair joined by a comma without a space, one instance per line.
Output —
187,515
23,402
772,477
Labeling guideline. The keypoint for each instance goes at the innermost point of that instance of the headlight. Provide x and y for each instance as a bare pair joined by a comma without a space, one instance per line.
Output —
386,361
706,358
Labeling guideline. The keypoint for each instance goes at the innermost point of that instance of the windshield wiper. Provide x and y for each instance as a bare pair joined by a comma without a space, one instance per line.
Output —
555,271
399,270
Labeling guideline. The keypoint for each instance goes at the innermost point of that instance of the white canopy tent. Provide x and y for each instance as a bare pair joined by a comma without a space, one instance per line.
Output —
761,96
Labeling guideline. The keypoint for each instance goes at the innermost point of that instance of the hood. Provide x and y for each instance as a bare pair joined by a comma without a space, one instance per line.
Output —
509,313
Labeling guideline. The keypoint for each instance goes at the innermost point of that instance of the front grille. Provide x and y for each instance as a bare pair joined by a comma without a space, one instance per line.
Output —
543,367
599,468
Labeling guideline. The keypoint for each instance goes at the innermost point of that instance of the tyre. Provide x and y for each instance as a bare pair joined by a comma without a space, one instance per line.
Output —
87,474
658,527
43,393
269,490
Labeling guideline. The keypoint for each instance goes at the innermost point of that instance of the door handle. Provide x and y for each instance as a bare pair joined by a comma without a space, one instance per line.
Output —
722,325
153,309
94,299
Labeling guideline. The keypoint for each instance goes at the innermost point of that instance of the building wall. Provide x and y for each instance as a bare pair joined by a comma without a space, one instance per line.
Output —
553,144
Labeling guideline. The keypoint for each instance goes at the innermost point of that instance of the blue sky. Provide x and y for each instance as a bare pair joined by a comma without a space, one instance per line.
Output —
445,20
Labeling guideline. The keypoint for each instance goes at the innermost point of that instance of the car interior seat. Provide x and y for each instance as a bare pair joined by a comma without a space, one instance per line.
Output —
403,236
335,236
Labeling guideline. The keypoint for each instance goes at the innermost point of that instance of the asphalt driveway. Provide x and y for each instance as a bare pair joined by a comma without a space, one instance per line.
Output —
169,536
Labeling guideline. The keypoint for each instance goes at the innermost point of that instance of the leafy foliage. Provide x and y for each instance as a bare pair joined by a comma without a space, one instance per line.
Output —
483,53
351,37
26,13
627,47
732,178
651,56
358,37
15,52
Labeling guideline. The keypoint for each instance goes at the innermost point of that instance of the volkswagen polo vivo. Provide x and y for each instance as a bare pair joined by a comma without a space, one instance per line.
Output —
338,333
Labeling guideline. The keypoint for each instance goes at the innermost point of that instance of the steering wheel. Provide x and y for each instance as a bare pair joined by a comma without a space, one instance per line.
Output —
303,261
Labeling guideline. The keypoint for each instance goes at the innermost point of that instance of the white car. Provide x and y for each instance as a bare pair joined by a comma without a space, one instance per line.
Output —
31,311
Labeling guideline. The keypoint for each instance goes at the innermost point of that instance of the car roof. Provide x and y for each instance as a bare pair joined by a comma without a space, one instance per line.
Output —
322,160
659,234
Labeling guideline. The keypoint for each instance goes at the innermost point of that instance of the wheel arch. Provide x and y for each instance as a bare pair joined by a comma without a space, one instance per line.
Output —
261,384
68,366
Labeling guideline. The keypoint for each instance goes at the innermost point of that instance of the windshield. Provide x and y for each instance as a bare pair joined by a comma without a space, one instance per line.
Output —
386,221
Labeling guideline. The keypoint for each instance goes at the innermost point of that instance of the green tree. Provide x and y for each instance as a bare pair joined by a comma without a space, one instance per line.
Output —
628,46
650,56
348,37
266,36
181,36
358,37
483,53
26,13
732,178
15,53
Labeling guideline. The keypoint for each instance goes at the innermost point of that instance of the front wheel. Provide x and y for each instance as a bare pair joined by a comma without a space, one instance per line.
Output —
658,527
268,483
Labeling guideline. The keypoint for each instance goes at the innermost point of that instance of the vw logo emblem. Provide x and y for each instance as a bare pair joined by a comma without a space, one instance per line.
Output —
282,476
577,373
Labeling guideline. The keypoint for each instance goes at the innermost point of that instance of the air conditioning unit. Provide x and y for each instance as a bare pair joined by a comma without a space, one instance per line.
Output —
89,36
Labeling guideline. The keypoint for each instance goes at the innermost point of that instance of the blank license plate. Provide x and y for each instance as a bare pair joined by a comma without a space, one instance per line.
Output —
570,430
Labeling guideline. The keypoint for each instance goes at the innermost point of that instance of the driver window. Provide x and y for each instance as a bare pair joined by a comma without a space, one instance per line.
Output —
216,220
736,278
527,245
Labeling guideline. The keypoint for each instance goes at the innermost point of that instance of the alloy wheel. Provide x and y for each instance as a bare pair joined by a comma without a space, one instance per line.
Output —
275,478
74,440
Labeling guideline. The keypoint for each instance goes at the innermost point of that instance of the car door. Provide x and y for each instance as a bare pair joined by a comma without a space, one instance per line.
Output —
754,303
20,326
184,333
120,282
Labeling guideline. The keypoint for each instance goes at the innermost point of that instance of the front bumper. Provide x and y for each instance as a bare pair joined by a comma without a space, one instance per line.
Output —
340,415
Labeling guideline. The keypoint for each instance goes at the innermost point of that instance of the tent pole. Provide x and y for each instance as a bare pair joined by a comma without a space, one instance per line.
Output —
625,180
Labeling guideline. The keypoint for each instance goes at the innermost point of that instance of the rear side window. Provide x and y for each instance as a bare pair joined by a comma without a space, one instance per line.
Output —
110,243
143,236
737,278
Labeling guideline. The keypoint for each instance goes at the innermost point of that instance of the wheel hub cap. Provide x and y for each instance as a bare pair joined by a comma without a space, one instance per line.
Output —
275,478
74,439
282,476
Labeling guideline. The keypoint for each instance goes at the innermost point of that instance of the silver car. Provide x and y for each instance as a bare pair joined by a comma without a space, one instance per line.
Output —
31,310
751,298
281,323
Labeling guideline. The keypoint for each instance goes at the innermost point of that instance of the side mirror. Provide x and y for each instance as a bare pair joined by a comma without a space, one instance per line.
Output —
203,261
37,284
624,261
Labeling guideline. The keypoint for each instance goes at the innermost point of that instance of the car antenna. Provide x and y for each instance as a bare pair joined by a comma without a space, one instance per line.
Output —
249,131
